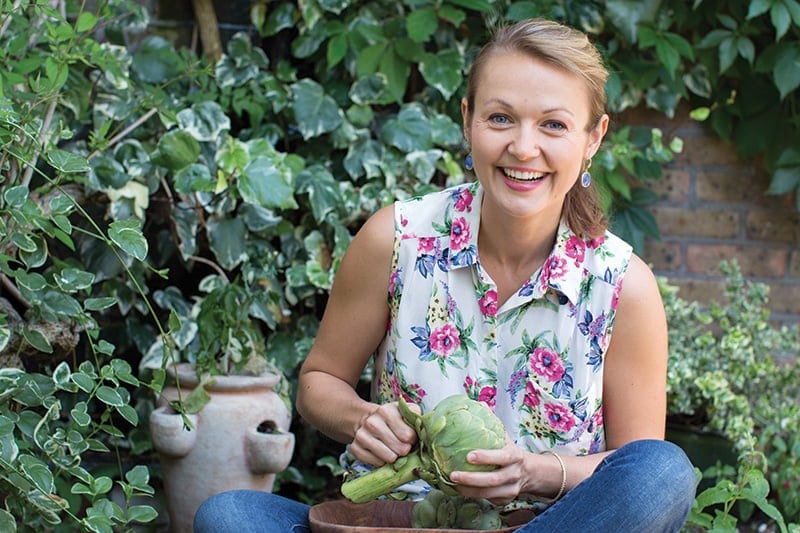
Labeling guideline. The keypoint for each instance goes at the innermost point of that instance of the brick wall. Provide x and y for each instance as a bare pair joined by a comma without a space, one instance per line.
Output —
713,206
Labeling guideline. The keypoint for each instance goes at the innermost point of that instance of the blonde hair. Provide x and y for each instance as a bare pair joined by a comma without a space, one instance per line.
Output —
568,49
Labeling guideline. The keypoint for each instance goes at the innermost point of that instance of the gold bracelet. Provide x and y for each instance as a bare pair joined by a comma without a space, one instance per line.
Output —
563,475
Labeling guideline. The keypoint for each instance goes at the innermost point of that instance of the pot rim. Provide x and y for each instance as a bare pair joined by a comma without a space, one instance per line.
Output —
188,378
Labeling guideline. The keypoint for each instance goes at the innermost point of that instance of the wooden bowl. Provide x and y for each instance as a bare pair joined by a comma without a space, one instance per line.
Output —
344,516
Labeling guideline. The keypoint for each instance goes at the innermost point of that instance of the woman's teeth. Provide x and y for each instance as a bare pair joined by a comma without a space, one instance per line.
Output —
519,175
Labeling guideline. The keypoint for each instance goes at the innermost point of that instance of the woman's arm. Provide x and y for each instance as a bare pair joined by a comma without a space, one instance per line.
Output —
634,401
353,325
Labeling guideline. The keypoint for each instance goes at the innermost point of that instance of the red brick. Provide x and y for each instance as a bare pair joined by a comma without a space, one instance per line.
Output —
794,264
707,150
755,261
739,185
662,256
713,223
703,291
784,298
674,186
772,226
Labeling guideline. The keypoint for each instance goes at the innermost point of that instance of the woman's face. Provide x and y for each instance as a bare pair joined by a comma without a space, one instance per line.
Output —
528,134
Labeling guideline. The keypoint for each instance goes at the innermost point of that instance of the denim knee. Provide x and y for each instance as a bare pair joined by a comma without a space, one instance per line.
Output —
660,483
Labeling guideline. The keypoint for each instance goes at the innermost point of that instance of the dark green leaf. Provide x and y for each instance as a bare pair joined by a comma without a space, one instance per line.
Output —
443,71
204,121
156,60
73,279
37,472
397,71
787,69
109,396
66,162
421,24
314,111
322,189
15,197
265,185
226,239
37,340
476,5
177,149
127,235
408,132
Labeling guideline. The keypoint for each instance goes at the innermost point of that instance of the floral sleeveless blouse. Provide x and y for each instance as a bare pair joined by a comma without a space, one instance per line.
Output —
537,360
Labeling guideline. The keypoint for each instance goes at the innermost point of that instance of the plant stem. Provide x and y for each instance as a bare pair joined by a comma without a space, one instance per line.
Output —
383,479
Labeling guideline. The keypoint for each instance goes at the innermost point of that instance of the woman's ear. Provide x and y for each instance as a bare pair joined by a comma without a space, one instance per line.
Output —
465,118
596,136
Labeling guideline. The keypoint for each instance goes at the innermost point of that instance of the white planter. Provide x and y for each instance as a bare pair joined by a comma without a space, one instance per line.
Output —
240,440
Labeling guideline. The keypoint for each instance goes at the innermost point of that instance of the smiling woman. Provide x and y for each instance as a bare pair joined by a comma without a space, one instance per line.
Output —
506,290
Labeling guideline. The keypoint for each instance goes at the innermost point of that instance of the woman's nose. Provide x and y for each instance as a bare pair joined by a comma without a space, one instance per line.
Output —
525,144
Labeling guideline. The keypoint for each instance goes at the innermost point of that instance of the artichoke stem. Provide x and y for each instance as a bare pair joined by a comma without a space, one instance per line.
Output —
383,479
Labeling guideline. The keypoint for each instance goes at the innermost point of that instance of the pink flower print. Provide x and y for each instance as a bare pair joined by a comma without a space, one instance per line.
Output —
547,364
464,201
425,245
596,242
444,340
560,418
575,249
553,268
488,303
460,234
403,221
598,418
531,395
615,297
487,396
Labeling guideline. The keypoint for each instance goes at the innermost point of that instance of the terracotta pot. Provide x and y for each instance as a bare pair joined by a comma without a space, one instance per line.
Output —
344,516
239,440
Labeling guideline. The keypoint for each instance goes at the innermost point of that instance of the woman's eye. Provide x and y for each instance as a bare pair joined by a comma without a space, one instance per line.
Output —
555,126
500,120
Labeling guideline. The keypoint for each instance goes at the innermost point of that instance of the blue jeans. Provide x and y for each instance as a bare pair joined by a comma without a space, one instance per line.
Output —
645,486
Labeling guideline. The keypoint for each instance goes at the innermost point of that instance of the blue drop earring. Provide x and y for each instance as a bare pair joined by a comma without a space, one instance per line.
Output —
586,178
468,162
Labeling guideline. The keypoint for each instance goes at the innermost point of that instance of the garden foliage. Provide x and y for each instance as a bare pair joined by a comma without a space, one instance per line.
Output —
156,206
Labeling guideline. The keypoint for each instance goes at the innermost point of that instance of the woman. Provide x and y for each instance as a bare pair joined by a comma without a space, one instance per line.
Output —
508,290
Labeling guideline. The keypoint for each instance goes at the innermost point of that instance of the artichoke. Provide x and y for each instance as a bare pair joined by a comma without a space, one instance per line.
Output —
438,510
453,428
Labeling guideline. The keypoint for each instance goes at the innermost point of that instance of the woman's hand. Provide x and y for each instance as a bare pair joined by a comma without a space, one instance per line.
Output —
499,486
383,435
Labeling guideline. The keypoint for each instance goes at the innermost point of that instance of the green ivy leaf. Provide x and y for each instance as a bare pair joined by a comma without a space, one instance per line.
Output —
787,69
73,279
7,522
476,5
314,111
443,71
176,149
109,396
80,414
322,189
67,162
226,240
98,304
141,514
204,121
337,49
397,71
37,340
127,235
38,473
86,22
421,24
264,184
156,60
409,131
780,18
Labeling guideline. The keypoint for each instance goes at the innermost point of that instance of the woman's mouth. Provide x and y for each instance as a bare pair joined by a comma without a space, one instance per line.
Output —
521,175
